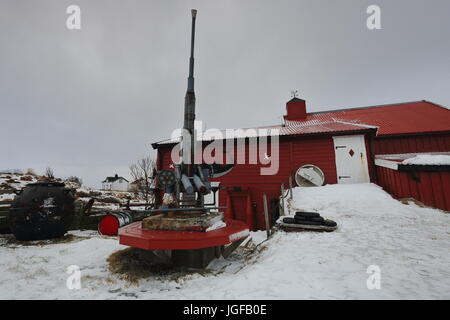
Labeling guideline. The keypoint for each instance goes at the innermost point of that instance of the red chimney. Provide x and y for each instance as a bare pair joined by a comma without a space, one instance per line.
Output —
296,109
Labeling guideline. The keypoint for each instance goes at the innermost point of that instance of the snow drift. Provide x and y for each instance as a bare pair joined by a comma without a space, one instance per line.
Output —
408,243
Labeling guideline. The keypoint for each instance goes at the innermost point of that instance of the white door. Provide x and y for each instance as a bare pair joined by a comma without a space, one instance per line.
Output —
351,159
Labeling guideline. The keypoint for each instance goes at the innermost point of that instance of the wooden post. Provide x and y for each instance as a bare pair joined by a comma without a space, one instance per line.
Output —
266,215
290,186
282,200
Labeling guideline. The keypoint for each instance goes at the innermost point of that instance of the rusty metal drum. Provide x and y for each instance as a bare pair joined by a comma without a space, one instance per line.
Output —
42,210
110,224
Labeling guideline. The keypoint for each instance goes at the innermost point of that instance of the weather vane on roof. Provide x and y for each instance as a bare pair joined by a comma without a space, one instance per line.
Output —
294,93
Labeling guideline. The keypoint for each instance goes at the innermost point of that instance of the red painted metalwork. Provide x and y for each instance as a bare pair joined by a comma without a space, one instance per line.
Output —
249,214
229,210
108,225
134,236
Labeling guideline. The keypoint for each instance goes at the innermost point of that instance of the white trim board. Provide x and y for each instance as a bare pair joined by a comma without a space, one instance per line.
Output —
387,164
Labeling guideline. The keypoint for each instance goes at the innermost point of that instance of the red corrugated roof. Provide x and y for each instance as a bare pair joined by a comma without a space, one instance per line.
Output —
295,128
394,119
320,126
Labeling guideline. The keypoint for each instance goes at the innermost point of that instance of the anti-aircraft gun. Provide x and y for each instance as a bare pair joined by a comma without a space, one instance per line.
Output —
184,230
188,182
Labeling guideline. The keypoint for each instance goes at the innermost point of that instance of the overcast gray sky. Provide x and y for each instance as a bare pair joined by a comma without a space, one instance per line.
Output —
89,102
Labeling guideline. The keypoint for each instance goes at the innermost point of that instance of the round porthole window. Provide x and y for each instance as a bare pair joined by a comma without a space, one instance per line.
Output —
309,175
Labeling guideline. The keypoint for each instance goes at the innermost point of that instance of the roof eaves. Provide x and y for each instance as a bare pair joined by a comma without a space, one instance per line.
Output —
357,124
436,104
366,107
421,133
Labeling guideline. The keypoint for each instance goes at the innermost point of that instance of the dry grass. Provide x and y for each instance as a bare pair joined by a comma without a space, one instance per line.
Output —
408,200
133,264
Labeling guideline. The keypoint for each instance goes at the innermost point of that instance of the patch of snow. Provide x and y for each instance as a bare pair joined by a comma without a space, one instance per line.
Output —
403,156
258,236
7,196
18,183
104,206
428,159
238,235
216,225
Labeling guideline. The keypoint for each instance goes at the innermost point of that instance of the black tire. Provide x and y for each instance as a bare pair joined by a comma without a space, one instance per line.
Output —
309,223
318,219
306,214
301,220
329,223
289,220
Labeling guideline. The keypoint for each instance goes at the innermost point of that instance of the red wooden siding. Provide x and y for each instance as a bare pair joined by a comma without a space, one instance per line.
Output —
430,187
411,143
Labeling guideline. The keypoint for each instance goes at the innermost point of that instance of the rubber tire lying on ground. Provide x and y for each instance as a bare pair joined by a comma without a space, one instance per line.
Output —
305,214
329,223
289,220
316,221
308,222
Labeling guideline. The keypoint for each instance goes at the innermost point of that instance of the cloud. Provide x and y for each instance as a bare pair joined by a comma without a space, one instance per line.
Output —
90,102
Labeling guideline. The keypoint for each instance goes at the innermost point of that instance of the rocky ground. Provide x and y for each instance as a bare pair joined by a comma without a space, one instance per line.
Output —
16,180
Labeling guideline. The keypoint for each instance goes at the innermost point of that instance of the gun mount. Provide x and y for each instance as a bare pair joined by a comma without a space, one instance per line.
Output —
184,231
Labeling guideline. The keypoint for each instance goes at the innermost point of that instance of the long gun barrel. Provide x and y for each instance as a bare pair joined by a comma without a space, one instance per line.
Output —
191,58
189,106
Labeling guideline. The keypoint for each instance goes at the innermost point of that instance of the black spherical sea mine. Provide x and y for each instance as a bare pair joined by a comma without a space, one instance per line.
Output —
42,210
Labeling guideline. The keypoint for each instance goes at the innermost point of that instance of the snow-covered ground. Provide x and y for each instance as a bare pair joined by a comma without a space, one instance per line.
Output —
409,244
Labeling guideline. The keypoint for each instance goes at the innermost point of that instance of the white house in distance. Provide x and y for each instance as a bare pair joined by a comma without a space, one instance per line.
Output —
115,183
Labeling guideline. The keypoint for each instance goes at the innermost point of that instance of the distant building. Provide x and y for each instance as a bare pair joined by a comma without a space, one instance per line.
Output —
115,183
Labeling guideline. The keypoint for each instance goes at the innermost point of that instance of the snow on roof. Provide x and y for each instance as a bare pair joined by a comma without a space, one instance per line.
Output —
297,128
428,159
392,161
403,156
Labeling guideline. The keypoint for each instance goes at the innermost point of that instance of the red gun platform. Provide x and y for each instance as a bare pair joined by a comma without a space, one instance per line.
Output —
134,236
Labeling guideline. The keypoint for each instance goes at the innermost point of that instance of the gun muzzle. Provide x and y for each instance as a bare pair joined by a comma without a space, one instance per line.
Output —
201,187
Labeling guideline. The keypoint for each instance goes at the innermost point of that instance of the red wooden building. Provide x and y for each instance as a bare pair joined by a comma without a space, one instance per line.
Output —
343,144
